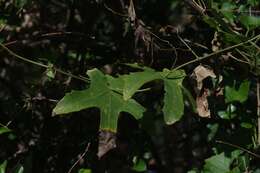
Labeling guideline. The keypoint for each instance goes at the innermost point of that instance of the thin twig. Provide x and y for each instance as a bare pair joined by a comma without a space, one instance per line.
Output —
41,64
167,42
239,147
243,55
114,12
236,59
81,156
258,109
188,47
53,34
217,52
256,46
5,126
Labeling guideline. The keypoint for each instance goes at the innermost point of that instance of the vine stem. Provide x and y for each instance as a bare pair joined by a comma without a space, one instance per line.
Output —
42,65
238,147
217,52
258,109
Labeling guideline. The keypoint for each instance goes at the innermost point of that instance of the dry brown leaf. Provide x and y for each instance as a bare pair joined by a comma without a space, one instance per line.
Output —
199,74
202,104
131,11
107,141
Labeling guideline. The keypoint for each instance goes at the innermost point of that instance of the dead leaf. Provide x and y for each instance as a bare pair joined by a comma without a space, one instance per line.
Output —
199,74
107,141
131,11
202,104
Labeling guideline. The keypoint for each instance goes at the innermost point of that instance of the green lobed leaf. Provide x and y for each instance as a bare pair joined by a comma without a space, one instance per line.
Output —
173,98
240,94
217,164
100,95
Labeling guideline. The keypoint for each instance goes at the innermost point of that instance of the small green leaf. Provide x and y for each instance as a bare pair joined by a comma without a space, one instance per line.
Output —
211,22
213,130
250,21
217,164
3,167
100,95
229,113
227,9
84,171
235,154
139,165
246,125
4,130
50,72
240,94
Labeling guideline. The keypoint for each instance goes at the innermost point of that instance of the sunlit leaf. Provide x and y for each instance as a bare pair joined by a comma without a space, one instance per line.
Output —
100,95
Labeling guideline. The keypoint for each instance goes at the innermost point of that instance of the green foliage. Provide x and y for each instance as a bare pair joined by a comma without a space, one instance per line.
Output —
233,94
84,171
80,35
4,130
18,169
100,95
113,95
173,98
229,113
250,21
217,164
3,167
139,165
